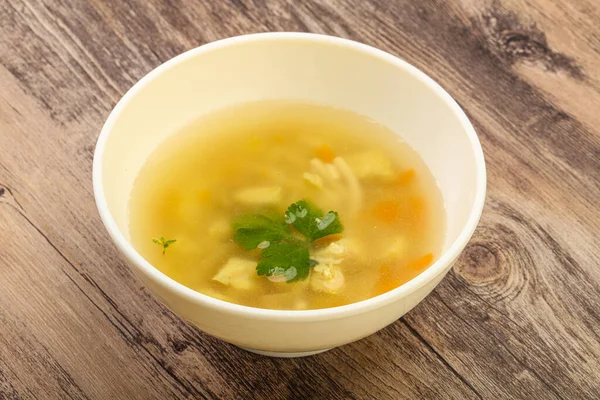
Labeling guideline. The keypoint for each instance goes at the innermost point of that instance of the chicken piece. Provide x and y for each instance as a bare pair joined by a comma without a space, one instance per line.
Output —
238,273
335,250
259,196
326,278
371,165
352,248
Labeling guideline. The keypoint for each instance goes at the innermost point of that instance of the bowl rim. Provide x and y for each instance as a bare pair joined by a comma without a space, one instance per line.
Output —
438,267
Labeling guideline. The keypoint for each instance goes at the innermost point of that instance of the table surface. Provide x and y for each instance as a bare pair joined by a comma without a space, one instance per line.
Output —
517,317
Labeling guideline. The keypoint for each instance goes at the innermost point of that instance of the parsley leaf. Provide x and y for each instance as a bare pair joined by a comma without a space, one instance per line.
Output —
282,253
290,259
253,229
309,220
164,243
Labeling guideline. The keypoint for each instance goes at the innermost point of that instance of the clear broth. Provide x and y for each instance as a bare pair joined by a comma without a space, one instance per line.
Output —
190,189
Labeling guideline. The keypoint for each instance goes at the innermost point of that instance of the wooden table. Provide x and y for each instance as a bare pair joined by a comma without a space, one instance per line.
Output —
518,316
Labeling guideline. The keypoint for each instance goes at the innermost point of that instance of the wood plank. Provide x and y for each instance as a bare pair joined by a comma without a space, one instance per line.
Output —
197,365
49,342
518,316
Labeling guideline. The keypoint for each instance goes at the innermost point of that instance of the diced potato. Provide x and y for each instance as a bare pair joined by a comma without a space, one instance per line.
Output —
370,164
395,248
326,278
238,273
220,229
266,195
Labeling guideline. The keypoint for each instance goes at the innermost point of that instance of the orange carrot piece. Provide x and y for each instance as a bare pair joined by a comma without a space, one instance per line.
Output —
392,277
421,262
388,211
417,215
325,153
386,280
327,240
404,178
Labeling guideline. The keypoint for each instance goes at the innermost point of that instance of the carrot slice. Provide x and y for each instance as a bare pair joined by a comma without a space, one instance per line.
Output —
388,211
421,262
325,153
404,178
327,240
386,280
392,277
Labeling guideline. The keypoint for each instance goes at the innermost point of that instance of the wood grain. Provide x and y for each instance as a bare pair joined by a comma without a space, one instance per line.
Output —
518,317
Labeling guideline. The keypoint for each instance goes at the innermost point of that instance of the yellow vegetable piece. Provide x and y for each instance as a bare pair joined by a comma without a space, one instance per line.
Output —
371,165
238,273
259,195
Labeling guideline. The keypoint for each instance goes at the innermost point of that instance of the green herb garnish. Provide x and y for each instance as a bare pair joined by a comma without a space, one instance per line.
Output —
290,259
164,243
253,229
311,222
282,252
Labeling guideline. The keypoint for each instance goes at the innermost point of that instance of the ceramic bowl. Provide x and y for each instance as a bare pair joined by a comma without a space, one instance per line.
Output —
315,68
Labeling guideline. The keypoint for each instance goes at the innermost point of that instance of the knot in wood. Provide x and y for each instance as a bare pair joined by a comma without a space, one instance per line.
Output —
523,45
179,345
480,264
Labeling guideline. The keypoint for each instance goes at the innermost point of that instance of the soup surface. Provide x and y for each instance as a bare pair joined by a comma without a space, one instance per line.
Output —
287,205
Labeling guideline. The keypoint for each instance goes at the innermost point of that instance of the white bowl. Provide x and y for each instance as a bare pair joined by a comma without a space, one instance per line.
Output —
299,66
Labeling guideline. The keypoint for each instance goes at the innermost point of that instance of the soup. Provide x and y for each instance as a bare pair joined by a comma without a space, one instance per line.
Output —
287,205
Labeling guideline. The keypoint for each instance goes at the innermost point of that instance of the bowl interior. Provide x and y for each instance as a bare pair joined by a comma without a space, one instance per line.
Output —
293,66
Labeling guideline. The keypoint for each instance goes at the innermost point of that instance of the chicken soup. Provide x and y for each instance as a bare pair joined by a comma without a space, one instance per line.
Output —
287,205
